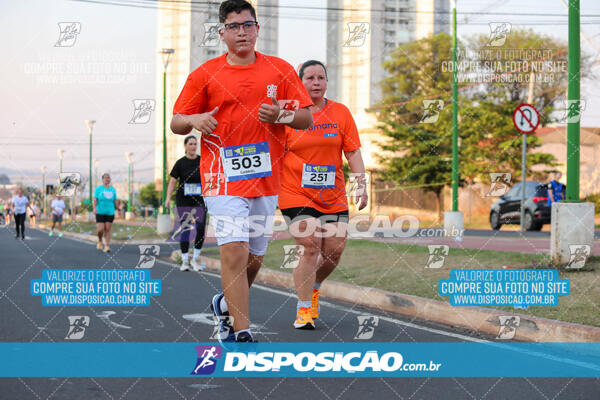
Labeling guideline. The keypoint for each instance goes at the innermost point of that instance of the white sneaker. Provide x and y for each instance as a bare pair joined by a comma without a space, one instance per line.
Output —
185,266
197,265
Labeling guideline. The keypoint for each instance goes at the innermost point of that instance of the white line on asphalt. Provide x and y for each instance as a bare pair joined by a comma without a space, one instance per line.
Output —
208,319
399,322
346,309
503,345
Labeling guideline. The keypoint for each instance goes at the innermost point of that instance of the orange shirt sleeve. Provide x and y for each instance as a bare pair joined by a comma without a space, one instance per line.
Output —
192,99
350,139
294,89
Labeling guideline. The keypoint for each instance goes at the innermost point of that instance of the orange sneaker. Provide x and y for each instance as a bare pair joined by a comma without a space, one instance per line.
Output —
304,319
316,308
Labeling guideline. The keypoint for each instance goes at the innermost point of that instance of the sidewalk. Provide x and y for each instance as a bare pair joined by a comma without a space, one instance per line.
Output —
531,245
520,245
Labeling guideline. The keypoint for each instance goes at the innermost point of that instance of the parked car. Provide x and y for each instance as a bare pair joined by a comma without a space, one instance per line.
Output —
507,210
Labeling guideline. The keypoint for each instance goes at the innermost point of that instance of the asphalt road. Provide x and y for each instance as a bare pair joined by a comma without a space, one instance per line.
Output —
182,314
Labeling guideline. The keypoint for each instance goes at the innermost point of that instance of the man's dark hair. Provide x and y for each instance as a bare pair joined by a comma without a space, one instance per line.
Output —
311,63
236,6
188,138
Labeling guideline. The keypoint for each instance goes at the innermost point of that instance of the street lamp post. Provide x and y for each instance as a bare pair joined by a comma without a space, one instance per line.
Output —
90,125
454,114
573,129
44,190
454,220
166,59
572,221
129,155
60,170
60,158
95,172
163,220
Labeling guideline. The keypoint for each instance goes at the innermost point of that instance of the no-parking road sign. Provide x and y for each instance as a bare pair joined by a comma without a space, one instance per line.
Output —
526,118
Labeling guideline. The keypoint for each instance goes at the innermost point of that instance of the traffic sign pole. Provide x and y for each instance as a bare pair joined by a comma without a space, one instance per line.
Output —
523,180
526,119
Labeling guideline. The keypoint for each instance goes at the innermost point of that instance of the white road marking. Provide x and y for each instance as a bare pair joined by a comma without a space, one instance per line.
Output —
132,317
388,319
504,346
346,309
105,317
201,386
207,319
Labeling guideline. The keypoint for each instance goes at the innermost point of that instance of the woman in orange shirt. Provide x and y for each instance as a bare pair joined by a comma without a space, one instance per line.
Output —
313,197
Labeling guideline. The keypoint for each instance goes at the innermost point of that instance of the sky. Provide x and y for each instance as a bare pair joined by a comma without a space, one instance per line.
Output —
48,92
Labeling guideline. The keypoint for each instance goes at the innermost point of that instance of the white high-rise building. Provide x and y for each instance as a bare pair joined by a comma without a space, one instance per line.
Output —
189,28
360,35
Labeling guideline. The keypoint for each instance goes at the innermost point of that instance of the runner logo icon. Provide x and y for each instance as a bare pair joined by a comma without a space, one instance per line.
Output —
357,34
207,359
366,326
499,184
432,111
68,33
77,325
437,255
499,33
579,255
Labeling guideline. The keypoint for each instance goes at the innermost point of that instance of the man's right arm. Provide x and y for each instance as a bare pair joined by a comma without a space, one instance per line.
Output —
182,124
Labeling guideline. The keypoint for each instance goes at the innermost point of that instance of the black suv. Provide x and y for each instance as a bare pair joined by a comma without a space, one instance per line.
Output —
507,210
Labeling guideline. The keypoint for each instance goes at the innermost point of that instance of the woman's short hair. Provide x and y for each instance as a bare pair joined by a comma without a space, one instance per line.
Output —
105,174
310,63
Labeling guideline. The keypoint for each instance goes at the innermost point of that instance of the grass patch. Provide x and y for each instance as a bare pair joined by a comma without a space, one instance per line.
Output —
401,268
118,231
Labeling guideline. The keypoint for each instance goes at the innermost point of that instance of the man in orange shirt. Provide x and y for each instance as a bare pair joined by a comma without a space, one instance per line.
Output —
313,194
240,102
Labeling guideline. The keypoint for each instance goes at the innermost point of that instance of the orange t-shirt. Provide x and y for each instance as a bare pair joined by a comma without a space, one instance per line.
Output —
312,167
242,156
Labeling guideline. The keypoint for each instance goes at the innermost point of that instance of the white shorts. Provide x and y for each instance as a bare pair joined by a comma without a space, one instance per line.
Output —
242,219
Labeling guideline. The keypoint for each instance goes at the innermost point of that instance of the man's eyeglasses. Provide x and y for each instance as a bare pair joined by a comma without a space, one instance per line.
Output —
235,26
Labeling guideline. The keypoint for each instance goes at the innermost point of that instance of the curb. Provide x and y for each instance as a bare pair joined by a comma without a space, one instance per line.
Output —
479,319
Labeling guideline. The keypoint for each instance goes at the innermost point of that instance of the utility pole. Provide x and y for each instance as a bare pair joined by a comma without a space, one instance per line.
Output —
454,113
574,103
44,190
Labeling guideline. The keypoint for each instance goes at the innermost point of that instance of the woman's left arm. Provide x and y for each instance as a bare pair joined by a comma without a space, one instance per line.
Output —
116,202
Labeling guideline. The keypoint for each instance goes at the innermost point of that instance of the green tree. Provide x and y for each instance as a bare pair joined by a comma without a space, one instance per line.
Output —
149,195
417,153
526,56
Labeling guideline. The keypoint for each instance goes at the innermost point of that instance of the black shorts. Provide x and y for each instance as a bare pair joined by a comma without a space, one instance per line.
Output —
57,218
298,213
102,218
